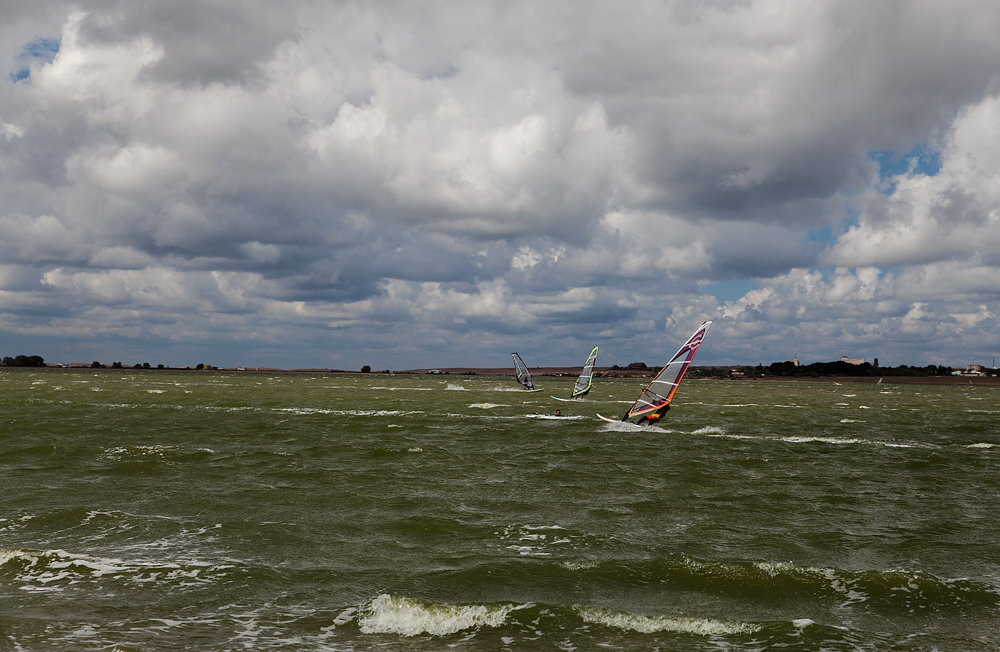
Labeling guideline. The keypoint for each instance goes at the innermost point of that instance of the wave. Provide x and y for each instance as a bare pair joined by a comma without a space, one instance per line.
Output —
387,614
915,591
404,389
404,616
59,570
505,388
650,624
350,413
818,439
530,610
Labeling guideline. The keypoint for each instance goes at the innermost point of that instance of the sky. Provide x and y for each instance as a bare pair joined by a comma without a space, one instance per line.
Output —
316,184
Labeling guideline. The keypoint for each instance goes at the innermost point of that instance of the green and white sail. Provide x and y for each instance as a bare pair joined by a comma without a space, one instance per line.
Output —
586,378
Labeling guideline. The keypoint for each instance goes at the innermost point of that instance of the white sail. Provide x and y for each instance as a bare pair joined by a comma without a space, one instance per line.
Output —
521,372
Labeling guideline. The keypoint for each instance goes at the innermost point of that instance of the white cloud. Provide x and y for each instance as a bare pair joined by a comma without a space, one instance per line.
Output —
100,79
950,215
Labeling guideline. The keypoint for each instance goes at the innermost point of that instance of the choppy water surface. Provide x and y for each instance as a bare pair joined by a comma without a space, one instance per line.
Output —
159,510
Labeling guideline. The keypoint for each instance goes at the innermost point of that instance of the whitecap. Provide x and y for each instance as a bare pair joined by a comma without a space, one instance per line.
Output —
387,614
622,426
404,389
652,624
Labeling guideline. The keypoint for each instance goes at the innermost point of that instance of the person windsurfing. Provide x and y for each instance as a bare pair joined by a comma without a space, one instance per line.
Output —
652,417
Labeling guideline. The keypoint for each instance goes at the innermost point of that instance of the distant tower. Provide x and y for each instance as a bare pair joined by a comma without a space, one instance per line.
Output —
795,360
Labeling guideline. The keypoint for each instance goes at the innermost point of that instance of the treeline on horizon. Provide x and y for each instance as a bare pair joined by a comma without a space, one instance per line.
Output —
39,361
785,368
836,368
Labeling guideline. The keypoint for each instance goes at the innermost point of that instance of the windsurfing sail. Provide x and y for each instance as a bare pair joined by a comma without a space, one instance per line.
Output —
521,372
585,380
660,391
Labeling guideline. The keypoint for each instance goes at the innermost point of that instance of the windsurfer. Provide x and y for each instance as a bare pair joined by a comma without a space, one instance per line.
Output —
653,417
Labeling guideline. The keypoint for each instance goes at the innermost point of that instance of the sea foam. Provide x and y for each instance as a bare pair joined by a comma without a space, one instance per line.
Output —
651,624
388,614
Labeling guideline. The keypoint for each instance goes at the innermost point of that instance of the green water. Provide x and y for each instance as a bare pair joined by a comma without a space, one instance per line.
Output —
160,510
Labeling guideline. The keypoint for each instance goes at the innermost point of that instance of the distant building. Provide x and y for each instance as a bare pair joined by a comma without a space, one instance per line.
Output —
974,370
852,360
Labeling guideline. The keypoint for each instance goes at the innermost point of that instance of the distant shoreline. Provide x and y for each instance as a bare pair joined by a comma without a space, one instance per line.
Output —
695,373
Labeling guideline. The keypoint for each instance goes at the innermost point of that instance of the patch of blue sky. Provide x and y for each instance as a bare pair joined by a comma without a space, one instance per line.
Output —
828,272
41,49
921,159
827,235
732,290
822,235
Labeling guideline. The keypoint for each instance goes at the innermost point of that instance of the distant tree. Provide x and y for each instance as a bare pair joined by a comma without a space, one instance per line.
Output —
365,369
96,365
200,366
24,361
160,366
117,365
145,365
786,368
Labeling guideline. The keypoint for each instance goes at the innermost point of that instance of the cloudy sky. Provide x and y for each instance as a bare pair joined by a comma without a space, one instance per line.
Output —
413,184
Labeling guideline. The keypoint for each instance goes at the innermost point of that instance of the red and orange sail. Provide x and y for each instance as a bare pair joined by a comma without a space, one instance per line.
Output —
660,391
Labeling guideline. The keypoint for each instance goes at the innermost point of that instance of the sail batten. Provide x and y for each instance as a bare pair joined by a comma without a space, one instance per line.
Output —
670,375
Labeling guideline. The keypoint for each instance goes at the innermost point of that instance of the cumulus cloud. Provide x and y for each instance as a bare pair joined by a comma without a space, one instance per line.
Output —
954,214
339,184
